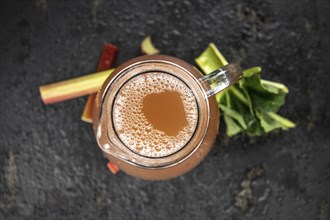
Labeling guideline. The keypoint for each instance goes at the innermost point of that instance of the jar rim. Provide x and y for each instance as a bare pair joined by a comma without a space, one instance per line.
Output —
109,141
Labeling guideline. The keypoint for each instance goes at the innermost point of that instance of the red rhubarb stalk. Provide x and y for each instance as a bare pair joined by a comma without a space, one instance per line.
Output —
112,167
107,60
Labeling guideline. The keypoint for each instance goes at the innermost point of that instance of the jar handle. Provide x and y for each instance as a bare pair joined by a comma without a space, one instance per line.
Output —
221,78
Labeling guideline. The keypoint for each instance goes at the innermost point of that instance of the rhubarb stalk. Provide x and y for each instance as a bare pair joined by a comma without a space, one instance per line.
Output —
147,47
107,59
112,167
73,88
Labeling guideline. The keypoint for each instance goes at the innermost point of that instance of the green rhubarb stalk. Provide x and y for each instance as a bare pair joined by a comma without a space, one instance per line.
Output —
147,47
208,65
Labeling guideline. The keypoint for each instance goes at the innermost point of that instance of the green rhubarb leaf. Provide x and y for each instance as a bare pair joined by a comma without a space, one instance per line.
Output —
252,71
261,97
254,128
234,114
231,105
250,105
274,86
271,121
232,128
266,122
285,123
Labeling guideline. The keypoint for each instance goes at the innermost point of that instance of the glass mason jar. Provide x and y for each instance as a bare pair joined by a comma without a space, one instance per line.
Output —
156,116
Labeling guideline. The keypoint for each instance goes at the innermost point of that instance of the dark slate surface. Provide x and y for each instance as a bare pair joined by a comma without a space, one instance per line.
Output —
51,167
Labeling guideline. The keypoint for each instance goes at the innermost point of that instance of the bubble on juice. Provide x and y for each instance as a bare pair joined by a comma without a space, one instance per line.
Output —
132,126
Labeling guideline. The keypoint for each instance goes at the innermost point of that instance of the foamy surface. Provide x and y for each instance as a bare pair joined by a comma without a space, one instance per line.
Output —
132,126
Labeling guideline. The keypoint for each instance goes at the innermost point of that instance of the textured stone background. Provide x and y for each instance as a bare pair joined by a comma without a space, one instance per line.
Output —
51,167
